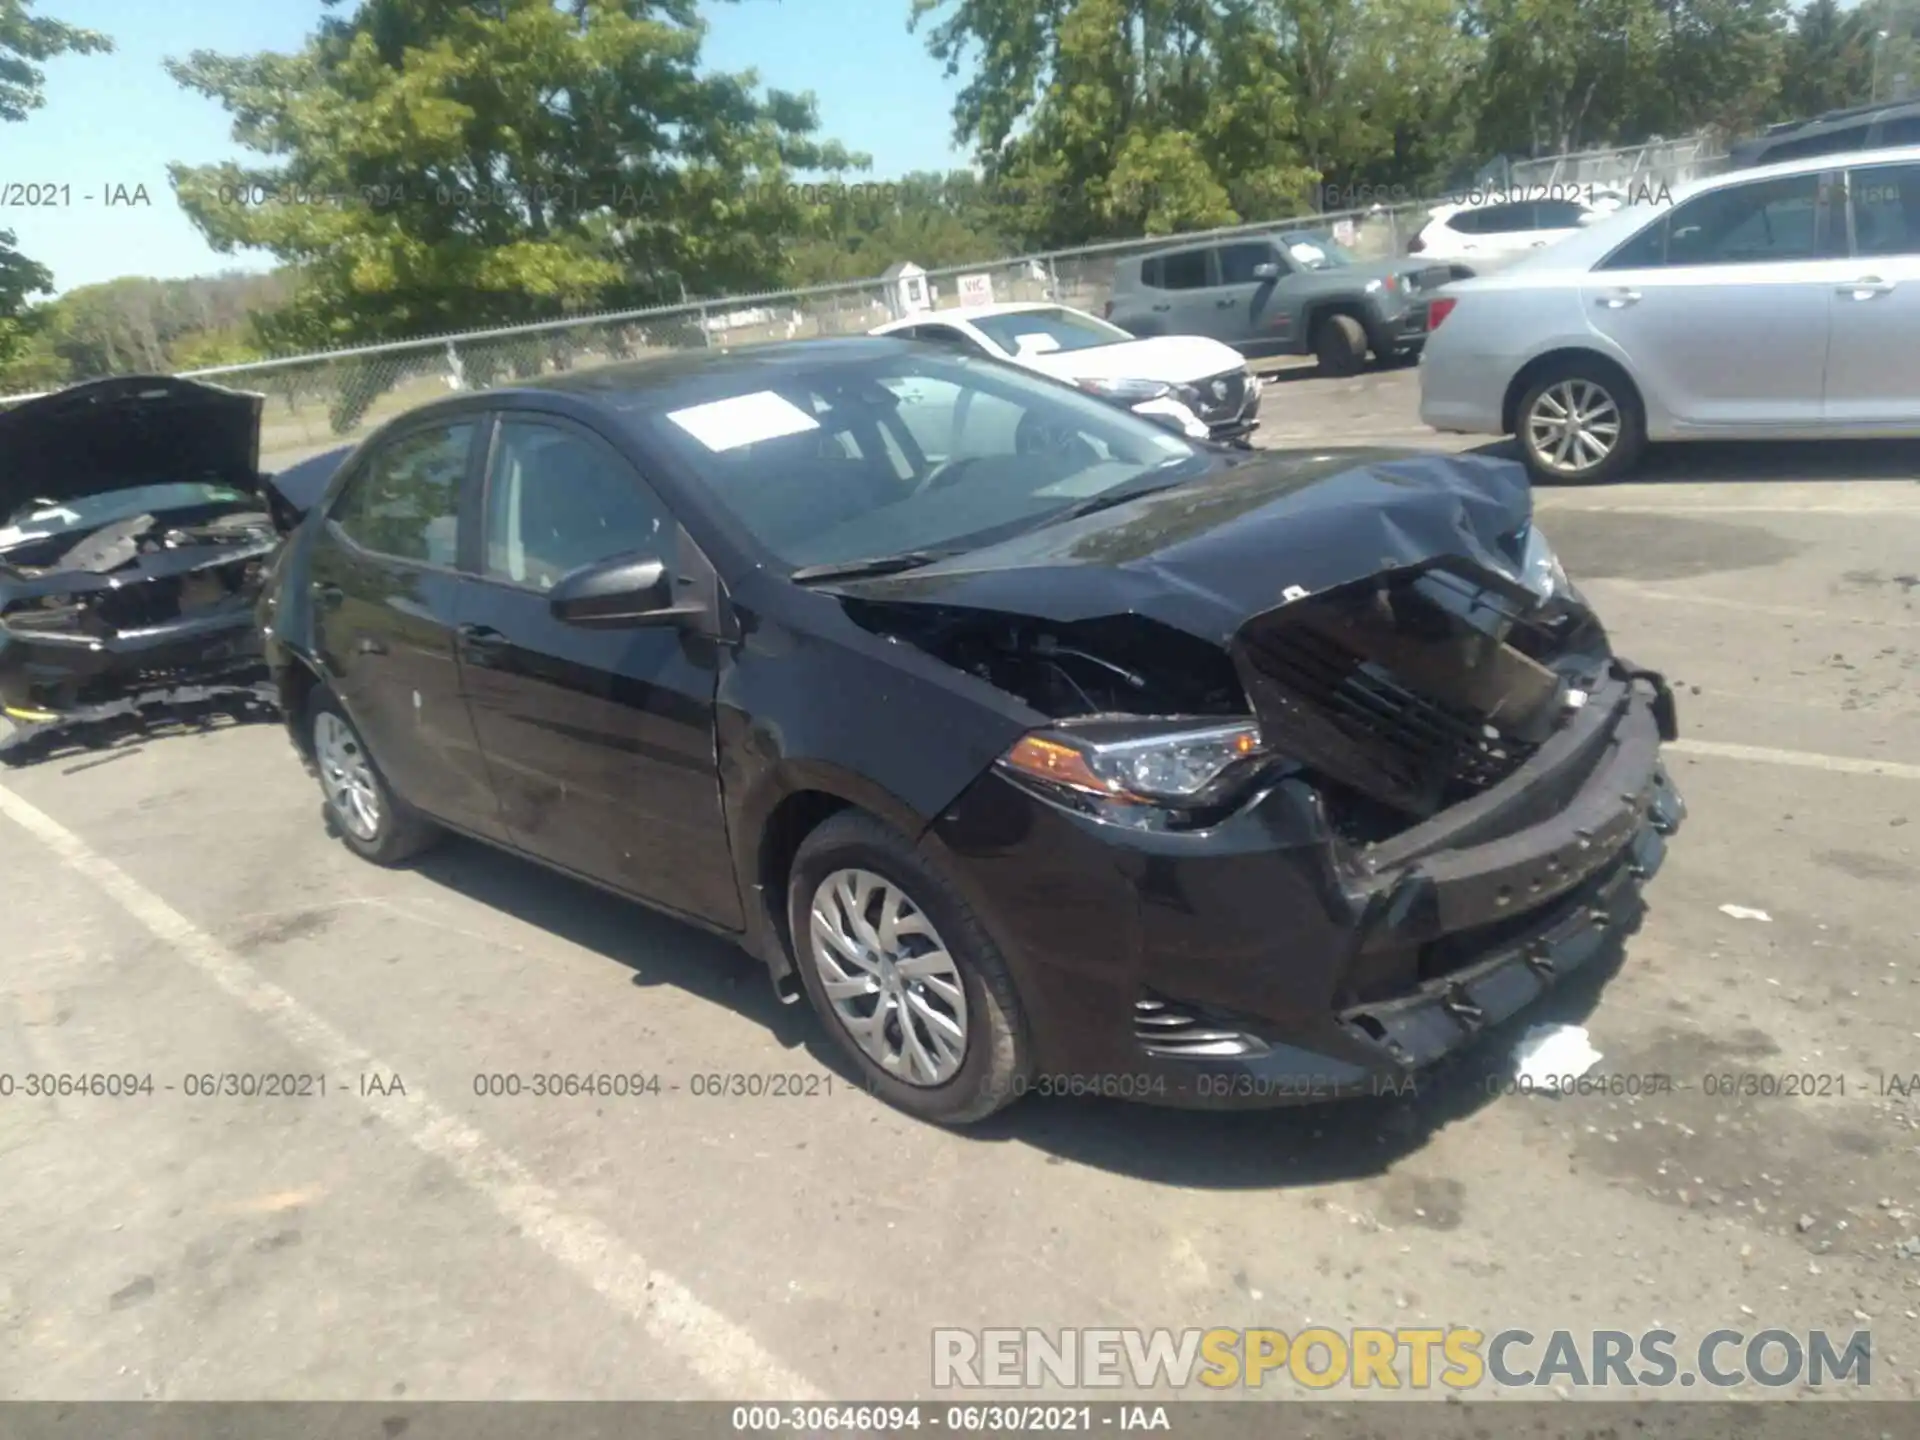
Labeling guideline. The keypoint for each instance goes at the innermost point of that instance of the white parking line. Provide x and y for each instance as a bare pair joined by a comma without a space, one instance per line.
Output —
720,1352
1806,759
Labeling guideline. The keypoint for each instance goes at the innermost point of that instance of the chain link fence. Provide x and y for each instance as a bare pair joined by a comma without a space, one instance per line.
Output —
316,402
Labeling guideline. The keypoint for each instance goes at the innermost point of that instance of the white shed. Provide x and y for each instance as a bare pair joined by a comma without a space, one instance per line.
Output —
907,290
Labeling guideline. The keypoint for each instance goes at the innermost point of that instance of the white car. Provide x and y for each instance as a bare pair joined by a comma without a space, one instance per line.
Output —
1776,303
1199,386
1489,235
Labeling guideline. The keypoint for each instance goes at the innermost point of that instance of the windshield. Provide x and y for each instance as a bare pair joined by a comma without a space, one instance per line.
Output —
1039,332
836,461
91,511
1316,251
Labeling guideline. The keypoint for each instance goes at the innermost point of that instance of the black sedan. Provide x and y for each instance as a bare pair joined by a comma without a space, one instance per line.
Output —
1117,765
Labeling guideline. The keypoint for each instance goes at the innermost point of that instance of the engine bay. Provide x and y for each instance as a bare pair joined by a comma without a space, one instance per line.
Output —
1117,665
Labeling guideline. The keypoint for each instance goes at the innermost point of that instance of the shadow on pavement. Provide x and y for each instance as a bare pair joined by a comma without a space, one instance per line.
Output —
1343,1140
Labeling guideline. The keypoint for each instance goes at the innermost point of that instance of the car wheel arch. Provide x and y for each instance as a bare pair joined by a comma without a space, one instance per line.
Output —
1528,373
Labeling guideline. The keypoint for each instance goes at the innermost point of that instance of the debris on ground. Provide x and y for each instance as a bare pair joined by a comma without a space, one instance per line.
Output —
1744,912
1549,1056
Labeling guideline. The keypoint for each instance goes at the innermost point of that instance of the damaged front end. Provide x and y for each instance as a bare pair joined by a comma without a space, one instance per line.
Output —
110,620
1380,817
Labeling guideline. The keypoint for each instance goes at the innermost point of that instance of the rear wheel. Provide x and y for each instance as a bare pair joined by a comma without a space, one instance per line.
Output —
1580,423
1340,345
902,972
375,823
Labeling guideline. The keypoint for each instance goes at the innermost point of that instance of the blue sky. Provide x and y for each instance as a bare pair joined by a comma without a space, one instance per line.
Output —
117,120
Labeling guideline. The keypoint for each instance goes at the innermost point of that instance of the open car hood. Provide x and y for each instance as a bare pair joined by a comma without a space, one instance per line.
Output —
126,431
1208,556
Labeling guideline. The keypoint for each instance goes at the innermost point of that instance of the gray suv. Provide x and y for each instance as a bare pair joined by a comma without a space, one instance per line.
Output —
1291,293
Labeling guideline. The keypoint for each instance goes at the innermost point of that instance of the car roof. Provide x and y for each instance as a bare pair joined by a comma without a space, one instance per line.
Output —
965,313
1582,249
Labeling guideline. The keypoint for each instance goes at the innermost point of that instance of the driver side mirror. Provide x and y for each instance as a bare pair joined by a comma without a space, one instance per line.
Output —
1266,270
616,594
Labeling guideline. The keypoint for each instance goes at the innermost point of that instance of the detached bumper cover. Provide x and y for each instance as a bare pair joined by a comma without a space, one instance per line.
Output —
1307,975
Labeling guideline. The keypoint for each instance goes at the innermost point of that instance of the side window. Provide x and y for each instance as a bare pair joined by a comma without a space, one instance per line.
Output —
1153,274
1184,270
1465,222
1886,209
1747,224
946,337
1557,214
557,500
1644,251
405,502
1237,261
1903,131
1832,142
1507,219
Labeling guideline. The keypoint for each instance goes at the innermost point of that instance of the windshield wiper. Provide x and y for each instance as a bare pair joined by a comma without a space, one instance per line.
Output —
872,565
1093,504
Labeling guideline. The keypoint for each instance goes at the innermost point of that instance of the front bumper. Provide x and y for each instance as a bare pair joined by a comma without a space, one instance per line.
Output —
50,679
1137,951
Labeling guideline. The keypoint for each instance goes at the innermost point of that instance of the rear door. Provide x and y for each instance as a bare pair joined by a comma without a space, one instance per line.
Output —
1177,294
1873,363
1723,305
385,587
600,742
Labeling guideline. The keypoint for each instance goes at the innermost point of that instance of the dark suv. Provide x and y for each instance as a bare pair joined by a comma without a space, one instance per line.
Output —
1869,127
1291,293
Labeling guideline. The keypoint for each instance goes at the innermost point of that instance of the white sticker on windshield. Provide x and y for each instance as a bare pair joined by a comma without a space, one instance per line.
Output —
743,420
1307,253
1036,342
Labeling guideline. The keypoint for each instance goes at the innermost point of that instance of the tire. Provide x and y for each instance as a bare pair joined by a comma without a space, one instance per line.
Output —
390,831
993,1051
1340,345
1614,418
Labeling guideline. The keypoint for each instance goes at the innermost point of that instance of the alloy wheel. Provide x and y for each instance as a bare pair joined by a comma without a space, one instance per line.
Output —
889,977
346,775
1573,427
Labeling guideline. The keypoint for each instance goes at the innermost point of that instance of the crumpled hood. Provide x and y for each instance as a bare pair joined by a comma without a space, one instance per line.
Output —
1208,556
128,430
1171,359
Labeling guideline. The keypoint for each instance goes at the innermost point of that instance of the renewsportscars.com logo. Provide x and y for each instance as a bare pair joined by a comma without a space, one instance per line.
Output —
1403,1358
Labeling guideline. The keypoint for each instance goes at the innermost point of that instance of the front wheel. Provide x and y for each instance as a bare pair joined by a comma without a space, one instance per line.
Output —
1340,345
1580,424
902,972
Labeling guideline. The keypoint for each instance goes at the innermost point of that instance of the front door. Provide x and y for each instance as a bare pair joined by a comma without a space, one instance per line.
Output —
600,742
1723,308
1244,310
1873,365
385,589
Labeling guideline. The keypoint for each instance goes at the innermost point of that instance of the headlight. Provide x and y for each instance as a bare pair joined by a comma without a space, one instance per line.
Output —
1131,392
1178,768
1541,570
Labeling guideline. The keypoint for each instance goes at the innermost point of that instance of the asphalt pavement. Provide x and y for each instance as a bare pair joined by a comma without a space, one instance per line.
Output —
174,909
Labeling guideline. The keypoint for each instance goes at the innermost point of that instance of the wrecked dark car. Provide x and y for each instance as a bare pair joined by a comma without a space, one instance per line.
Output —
1117,765
133,539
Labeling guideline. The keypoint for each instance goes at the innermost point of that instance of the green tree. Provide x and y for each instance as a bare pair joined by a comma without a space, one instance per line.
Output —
432,166
26,41
1829,61
1105,118
935,220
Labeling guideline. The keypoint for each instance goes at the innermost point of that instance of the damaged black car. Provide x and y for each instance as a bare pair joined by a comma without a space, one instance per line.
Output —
1099,763
134,535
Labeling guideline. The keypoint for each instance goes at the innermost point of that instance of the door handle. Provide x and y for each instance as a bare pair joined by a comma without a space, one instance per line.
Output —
1619,299
480,644
1225,304
1163,307
1866,288
327,596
